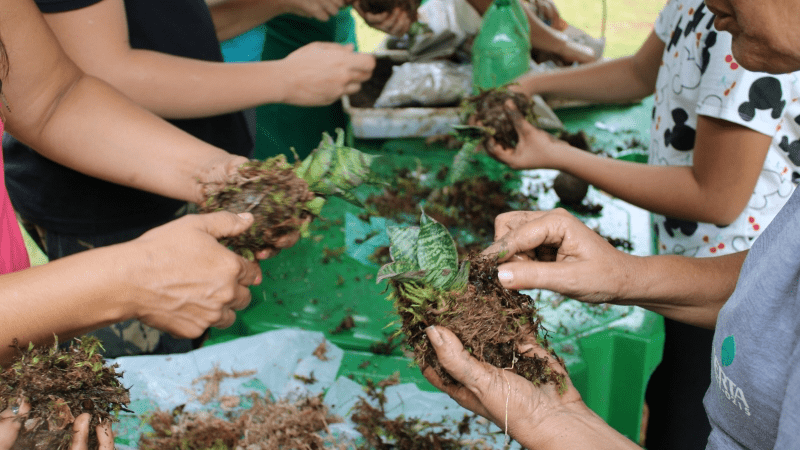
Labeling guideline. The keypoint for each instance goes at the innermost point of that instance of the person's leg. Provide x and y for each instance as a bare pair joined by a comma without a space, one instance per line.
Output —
675,392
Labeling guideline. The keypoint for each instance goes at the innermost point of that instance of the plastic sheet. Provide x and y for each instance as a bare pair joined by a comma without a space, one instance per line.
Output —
435,83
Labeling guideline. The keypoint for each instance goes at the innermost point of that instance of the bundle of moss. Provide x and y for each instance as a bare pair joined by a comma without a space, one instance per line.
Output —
266,425
283,197
431,287
489,109
61,384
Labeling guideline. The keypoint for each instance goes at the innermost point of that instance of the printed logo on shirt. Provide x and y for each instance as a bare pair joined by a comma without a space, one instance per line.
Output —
726,385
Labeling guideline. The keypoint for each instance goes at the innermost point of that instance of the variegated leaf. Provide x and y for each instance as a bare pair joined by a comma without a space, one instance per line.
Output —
436,253
403,244
461,279
400,271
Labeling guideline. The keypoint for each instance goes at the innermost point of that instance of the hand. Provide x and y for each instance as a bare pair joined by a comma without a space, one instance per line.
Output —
9,428
396,22
80,440
554,250
321,10
548,11
513,403
184,281
534,147
322,72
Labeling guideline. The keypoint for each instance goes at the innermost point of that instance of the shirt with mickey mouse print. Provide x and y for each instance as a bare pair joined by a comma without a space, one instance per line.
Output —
699,76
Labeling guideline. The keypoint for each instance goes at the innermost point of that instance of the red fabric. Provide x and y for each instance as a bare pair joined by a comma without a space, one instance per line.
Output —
13,254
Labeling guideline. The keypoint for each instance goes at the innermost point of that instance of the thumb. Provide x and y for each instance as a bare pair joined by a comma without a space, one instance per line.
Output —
80,437
222,224
553,276
517,118
457,361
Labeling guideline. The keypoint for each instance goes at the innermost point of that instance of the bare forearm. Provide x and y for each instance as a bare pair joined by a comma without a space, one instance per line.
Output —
178,88
120,142
689,290
67,298
574,427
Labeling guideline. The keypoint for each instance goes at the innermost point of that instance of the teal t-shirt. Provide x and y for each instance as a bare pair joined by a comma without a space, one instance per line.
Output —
281,127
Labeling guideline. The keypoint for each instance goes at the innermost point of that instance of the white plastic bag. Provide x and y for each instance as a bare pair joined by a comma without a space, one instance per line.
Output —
434,83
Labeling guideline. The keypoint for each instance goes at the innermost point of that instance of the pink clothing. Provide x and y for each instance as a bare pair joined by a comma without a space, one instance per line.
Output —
13,254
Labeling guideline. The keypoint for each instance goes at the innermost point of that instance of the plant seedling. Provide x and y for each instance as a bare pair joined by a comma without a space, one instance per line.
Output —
60,384
283,197
430,286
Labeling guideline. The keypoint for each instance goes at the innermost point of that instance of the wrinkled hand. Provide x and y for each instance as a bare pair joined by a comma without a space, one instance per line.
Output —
321,10
322,72
554,250
187,281
535,148
505,398
396,22
9,428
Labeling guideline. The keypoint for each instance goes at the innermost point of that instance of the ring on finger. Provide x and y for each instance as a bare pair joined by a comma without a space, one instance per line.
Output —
15,410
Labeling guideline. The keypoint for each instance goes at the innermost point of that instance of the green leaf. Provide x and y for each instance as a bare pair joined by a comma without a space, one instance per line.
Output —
315,206
436,253
462,278
401,271
403,244
461,162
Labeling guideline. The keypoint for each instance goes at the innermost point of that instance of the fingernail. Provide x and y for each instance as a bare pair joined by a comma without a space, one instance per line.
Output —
245,215
505,276
434,336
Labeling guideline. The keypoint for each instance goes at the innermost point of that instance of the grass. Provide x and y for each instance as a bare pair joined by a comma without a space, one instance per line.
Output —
628,23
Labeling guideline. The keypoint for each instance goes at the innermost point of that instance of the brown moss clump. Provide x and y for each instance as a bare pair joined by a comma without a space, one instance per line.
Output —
272,192
491,322
266,425
489,109
61,384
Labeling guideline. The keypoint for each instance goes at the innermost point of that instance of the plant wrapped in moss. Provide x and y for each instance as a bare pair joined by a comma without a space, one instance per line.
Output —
60,385
488,108
283,197
431,287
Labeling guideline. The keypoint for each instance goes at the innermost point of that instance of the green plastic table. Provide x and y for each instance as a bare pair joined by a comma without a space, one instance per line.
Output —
610,351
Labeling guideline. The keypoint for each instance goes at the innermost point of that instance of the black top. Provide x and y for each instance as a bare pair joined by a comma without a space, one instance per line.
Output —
65,201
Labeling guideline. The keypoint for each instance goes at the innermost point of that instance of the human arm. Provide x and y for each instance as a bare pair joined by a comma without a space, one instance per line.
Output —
538,417
587,268
176,278
9,428
727,162
619,80
234,17
174,87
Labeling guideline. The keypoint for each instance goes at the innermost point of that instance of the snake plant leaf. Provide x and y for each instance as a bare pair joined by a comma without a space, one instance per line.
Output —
461,161
403,246
400,271
436,253
333,169
461,279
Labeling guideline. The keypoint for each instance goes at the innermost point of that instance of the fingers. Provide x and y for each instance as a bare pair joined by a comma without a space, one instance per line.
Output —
457,361
9,427
224,224
105,436
80,428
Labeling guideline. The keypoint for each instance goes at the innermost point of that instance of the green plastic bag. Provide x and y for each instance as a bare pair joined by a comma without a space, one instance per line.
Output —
501,51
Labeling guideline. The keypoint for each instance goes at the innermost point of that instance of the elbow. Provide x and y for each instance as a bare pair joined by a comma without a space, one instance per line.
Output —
722,214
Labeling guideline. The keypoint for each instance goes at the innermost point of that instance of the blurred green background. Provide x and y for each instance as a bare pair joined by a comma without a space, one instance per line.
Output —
627,24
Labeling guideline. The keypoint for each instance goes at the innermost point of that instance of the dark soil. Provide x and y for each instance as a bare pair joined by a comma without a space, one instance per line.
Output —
266,425
470,204
381,6
570,189
488,108
61,384
269,190
490,321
